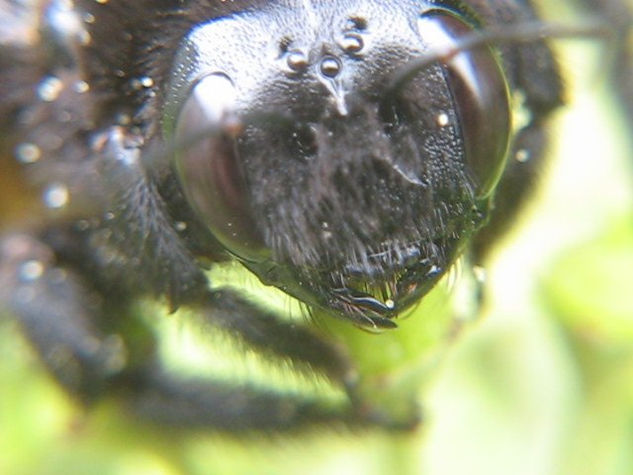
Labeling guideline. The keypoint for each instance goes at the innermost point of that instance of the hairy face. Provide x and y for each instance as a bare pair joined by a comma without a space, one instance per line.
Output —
319,156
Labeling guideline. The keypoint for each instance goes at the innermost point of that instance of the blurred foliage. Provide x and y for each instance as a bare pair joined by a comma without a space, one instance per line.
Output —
590,291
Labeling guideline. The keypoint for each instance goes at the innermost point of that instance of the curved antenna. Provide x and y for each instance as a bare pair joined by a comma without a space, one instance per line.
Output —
511,33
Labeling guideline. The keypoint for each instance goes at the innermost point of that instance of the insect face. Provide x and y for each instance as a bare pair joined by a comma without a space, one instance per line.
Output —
321,173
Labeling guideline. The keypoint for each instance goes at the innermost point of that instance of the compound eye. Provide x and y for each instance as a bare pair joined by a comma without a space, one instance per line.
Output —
480,93
210,168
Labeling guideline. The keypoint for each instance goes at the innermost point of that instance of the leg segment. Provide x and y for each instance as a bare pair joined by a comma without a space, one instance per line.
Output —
161,399
56,313
73,328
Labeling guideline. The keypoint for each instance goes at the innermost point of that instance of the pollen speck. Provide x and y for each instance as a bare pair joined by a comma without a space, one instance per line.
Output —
28,153
147,81
31,270
443,119
56,196
480,274
81,87
49,89
522,155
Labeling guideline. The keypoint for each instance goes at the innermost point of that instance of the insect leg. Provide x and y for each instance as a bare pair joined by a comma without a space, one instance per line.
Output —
64,320
265,331
216,405
56,313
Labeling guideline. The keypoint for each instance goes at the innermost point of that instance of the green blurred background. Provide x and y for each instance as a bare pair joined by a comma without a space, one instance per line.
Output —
541,384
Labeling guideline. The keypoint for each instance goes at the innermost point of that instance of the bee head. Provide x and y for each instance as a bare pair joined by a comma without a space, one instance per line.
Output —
324,168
